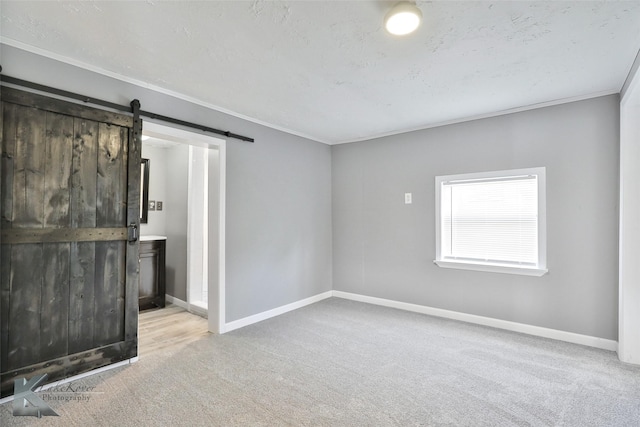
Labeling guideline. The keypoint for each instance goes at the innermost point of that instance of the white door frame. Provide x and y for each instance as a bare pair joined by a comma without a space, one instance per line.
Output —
216,285
629,237
196,207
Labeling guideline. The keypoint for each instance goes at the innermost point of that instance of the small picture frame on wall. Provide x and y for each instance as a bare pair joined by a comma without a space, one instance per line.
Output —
152,205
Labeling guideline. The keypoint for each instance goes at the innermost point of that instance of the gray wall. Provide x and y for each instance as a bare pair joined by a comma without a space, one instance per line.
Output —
278,212
176,176
384,248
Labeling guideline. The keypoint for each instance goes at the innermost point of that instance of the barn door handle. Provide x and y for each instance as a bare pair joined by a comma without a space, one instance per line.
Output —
133,233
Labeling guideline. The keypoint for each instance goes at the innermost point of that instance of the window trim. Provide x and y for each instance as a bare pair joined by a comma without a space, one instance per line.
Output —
540,268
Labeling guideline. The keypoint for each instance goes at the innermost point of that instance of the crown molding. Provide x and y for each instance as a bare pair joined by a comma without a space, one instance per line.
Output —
487,115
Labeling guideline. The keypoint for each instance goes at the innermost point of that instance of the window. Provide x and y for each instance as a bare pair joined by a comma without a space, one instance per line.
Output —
492,221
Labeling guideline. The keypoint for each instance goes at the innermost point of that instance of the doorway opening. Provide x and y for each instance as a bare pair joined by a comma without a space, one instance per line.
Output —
193,171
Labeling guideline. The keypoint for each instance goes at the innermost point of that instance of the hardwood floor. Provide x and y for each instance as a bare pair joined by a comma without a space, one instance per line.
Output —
168,329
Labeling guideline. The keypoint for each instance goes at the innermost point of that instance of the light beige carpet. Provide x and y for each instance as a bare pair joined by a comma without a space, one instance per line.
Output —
343,363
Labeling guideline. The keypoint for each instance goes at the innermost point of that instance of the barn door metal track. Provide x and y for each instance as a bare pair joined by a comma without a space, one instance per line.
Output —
118,107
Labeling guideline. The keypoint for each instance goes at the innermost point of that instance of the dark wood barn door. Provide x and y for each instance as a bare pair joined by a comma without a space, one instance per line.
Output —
68,274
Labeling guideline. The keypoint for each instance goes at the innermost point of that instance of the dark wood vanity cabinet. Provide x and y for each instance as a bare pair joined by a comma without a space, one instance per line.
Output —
152,274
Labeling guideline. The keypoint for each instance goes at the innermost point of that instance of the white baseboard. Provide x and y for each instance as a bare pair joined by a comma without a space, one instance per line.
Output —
191,308
175,301
539,331
199,310
77,377
486,321
246,321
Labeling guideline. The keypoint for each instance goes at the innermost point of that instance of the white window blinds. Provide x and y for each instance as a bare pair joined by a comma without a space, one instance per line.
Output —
492,220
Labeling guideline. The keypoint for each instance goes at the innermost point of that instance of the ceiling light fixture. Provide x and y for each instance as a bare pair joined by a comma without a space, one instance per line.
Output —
403,18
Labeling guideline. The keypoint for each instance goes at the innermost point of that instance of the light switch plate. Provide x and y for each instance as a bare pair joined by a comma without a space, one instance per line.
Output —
158,205
407,198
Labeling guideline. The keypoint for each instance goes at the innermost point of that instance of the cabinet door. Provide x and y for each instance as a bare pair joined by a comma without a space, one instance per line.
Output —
69,282
152,274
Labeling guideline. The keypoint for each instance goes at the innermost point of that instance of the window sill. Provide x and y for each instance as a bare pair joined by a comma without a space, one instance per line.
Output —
494,268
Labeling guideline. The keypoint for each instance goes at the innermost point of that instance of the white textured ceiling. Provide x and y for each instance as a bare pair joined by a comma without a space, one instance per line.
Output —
329,71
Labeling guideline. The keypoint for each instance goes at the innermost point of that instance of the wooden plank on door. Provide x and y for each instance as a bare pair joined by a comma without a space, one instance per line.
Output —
83,215
111,212
57,181
56,256
25,303
8,158
26,260
7,149
62,235
29,169
31,100
55,301
68,366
